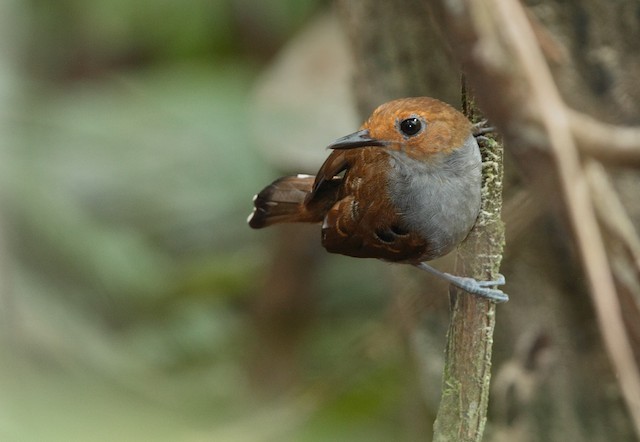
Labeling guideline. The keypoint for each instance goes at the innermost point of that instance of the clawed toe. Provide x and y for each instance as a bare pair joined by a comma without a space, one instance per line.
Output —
500,281
480,288
495,295
481,128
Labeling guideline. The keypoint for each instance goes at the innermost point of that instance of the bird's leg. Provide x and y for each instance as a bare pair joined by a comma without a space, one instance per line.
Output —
470,285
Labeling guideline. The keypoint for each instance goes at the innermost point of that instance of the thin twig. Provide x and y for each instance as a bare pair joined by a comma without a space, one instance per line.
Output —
615,220
606,142
611,211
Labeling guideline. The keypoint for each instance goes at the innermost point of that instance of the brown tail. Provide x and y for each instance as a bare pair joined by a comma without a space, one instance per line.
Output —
283,201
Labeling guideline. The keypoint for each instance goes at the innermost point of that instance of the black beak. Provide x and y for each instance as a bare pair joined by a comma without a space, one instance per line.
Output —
356,139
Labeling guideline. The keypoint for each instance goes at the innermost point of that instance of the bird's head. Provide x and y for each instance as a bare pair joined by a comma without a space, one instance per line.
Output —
420,127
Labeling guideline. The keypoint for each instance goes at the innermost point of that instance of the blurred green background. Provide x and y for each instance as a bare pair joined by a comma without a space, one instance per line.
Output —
136,304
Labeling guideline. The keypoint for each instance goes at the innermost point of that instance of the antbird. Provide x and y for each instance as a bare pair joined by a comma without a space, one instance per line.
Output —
404,188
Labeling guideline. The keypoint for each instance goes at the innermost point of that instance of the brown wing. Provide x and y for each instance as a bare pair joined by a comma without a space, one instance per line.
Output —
336,163
363,222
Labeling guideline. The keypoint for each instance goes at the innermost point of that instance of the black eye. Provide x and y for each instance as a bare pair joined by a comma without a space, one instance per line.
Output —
410,126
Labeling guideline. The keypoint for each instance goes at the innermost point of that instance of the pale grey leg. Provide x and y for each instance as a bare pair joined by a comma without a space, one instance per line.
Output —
478,288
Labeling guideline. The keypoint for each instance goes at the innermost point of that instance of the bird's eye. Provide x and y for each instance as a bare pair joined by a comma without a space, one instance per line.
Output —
410,126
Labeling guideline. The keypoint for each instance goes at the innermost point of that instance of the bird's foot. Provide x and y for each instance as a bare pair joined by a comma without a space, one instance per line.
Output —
482,128
480,288
470,285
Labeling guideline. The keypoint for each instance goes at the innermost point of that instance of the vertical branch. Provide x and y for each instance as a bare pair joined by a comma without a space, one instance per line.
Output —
467,373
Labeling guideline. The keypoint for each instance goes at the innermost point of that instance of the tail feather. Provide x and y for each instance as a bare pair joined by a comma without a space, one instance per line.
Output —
283,201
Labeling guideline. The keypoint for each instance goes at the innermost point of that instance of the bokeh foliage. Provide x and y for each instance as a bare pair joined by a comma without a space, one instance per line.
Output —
128,272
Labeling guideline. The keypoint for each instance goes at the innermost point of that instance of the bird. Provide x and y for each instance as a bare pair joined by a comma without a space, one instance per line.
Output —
404,188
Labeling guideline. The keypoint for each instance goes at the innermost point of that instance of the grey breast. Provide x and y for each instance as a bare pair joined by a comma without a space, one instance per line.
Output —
440,198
